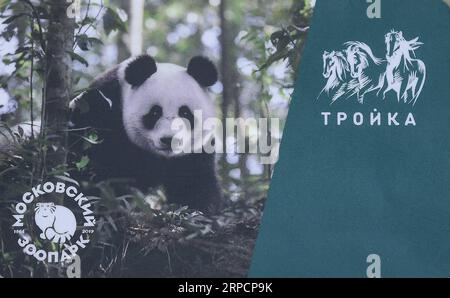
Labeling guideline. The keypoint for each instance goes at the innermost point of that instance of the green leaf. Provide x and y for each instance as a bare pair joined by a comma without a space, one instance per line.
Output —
112,21
67,179
93,40
77,57
87,21
20,130
12,18
92,139
83,42
277,56
82,163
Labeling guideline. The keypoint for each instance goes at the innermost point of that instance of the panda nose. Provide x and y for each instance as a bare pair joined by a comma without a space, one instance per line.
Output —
167,141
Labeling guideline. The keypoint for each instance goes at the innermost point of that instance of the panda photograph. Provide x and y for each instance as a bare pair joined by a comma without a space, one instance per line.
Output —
131,132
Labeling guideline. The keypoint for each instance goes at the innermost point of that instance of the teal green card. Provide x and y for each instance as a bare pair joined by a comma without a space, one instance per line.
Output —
362,186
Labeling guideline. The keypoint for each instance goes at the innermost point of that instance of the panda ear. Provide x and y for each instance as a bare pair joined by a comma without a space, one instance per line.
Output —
139,70
203,71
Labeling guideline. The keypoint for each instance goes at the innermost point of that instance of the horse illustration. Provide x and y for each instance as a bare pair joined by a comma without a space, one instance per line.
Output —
368,70
336,71
403,73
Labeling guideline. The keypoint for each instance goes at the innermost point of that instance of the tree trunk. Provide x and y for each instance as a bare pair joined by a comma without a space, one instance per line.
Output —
230,81
123,51
225,40
225,78
136,26
58,80
15,82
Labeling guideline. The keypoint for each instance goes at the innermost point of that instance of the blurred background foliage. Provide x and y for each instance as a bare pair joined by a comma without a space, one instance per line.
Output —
257,47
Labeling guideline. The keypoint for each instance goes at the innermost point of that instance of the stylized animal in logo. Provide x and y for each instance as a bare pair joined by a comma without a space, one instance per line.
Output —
57,223
365,67
355,70
337,72
403,73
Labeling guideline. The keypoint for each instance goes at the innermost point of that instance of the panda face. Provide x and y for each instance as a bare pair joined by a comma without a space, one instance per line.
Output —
150,106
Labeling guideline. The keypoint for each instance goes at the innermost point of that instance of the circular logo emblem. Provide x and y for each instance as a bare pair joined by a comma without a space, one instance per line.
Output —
49,230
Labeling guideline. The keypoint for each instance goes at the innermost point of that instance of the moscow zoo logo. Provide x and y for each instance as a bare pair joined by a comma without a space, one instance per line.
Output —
47,230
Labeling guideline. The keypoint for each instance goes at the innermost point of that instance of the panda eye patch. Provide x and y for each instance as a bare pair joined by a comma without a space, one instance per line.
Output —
152,117
185,112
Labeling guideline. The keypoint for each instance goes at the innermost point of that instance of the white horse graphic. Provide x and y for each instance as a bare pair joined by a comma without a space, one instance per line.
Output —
336,70
403,73
355,70
365,67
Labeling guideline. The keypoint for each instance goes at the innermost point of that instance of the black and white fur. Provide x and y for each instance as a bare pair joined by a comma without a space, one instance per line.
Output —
131,107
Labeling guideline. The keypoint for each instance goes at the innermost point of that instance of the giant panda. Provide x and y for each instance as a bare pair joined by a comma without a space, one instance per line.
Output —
131,107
